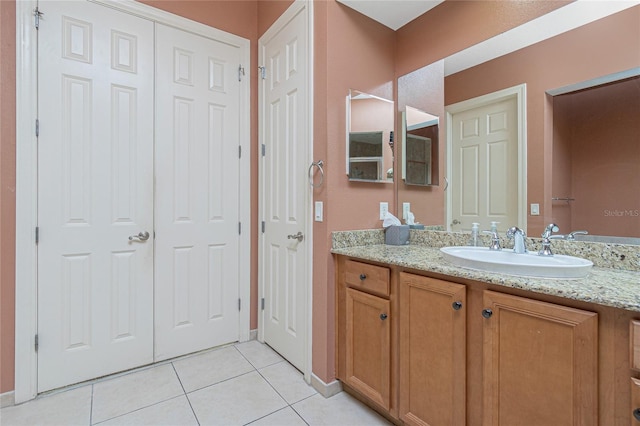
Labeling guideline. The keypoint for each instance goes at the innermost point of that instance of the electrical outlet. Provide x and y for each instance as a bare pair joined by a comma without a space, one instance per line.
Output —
384,208
319,212
406,208
535,209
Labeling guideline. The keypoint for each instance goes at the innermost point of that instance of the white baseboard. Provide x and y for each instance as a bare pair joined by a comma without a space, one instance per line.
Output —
253,334
325,389
7,399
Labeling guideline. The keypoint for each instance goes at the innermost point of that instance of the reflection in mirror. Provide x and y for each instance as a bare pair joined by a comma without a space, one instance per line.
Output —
560,61
369,138
420,147
596,159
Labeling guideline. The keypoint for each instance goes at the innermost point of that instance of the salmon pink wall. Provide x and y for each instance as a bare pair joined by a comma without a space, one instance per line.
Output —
455,25
351,51
562,60
7,191
601,132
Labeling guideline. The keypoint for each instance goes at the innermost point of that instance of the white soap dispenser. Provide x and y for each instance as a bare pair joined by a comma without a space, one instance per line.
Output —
494,227
474,240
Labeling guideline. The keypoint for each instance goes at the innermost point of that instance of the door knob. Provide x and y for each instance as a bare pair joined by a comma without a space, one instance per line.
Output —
457,305
142,236
487,313
383,317
455,222
297,236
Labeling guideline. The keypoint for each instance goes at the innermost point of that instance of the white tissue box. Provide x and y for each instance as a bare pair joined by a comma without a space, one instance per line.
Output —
397,235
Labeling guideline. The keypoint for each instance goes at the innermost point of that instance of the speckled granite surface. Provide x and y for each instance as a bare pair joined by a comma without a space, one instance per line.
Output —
607,286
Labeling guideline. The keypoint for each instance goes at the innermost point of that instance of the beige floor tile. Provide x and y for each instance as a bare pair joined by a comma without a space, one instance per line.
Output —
284,417
340,409
258,354
287,381
211,367
134,391
72,407
176,411
236,401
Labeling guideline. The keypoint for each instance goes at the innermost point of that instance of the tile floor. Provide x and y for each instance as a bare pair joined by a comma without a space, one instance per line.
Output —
245,383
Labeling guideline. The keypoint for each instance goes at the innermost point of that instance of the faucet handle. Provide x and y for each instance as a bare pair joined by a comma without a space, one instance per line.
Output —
572,235
511,232
495,240
550,229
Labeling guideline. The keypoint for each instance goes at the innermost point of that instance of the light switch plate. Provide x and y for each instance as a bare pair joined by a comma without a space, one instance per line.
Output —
318,213
384,208
535,209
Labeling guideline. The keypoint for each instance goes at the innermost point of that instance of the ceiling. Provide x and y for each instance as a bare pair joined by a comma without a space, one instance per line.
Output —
392,13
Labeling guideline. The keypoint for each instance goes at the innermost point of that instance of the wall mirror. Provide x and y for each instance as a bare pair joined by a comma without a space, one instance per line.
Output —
568,63
420,147
369,138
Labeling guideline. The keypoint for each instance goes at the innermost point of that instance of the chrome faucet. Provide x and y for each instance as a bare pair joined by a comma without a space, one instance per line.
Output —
571,236
547,236
495,240
518,235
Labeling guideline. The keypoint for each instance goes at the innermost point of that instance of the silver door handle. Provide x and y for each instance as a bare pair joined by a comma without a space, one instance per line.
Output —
297,236
142,236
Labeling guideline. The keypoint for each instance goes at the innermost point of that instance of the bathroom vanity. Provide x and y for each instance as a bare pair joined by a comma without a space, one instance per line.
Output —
427,343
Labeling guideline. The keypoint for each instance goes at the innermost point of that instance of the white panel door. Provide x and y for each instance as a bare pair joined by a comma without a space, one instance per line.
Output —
197,195
95,189
484,185
285,188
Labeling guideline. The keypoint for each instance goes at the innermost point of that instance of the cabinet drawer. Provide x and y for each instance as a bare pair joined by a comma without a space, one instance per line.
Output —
370,278
634,333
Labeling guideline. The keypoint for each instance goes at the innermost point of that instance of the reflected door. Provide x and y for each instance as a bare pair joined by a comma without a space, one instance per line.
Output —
484,176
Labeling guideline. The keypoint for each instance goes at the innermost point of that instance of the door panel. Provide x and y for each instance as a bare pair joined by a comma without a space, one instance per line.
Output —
197,193
95,189
484,184
285,188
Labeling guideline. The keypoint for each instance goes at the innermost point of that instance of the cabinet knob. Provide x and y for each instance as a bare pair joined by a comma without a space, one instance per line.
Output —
636,414
363,277
383,317
487,313
456,305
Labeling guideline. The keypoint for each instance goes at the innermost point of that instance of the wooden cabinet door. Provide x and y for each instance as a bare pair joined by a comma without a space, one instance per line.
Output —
368,346
635,402
540,363
432,351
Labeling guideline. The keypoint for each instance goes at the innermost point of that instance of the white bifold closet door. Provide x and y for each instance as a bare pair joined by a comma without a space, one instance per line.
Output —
197,181
95,189
138,213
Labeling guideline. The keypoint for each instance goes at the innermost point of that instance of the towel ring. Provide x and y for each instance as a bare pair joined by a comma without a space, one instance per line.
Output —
319,165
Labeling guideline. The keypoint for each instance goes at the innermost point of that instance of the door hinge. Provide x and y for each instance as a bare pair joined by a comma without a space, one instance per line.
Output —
240,72
263,226
262,303
239,228
263,72
37,15
239,151
264,150
37,127
35,343
239,304
37,234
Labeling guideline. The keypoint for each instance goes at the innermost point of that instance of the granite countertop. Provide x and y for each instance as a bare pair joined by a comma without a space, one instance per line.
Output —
603,286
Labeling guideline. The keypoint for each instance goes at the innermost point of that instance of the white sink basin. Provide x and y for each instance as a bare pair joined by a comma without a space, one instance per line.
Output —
507,262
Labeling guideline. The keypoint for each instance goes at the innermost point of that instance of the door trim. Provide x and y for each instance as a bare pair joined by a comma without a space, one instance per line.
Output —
520,93
296,7
26,261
